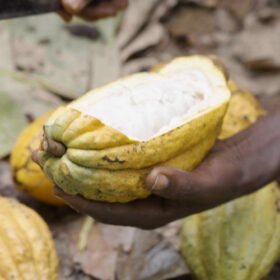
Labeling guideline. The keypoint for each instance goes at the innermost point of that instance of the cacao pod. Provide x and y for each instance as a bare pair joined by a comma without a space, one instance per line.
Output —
239,240
113,136
27,251
27,175
243,111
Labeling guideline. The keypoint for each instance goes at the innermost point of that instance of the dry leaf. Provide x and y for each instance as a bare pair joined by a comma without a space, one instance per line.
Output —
33,100
240,8
105,65
225,21
99,260
129,253
162,9
138,65
12,122
105,52
135,18
203,3
258,47
100,257
6,184
259,84
6,54
44,48
184,23
152,258
151,36
172,233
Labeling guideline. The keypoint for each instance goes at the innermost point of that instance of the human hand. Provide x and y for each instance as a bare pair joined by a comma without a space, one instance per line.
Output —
176,194
91,10
235,167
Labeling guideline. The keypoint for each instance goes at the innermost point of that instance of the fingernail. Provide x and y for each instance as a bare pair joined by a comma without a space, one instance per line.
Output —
77,5
161,182
53,147
73,4
45,145
35,157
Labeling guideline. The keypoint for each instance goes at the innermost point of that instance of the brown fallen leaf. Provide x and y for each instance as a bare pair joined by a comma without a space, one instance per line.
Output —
138,65
99,260
12,122
225,21
172,233
122,252
135,18
184,23
150,36
267,14
152,258
162,9
33,99
6,183
257,47
39,49
259,84
203,3
239,8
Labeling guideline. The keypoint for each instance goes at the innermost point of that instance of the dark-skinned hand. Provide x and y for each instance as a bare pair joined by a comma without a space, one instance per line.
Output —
91,10
235,167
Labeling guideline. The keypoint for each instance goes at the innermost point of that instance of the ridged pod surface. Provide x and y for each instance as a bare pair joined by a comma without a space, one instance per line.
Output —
26,247
102,163
27,175
243,111
239,240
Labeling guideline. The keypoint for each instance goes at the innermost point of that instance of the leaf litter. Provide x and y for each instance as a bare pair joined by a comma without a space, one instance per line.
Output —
38,73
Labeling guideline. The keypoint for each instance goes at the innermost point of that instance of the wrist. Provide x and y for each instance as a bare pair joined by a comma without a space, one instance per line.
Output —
256,151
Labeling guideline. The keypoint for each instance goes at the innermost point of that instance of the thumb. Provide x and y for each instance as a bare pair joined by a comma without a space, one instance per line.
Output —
173,183
75,6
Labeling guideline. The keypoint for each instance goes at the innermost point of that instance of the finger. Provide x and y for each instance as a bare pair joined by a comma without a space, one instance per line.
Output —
95,13
53,147
103,10
212,183
172,183
146,214
74,6
120,4
35,157
65,16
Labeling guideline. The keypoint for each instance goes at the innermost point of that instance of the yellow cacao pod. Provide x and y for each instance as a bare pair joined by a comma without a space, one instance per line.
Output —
26,247
113,136
239,240
27,175
243,111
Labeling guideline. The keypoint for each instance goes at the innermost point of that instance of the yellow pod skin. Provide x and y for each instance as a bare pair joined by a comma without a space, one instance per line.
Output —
105,164
26,247
27,175
239,240
243,110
